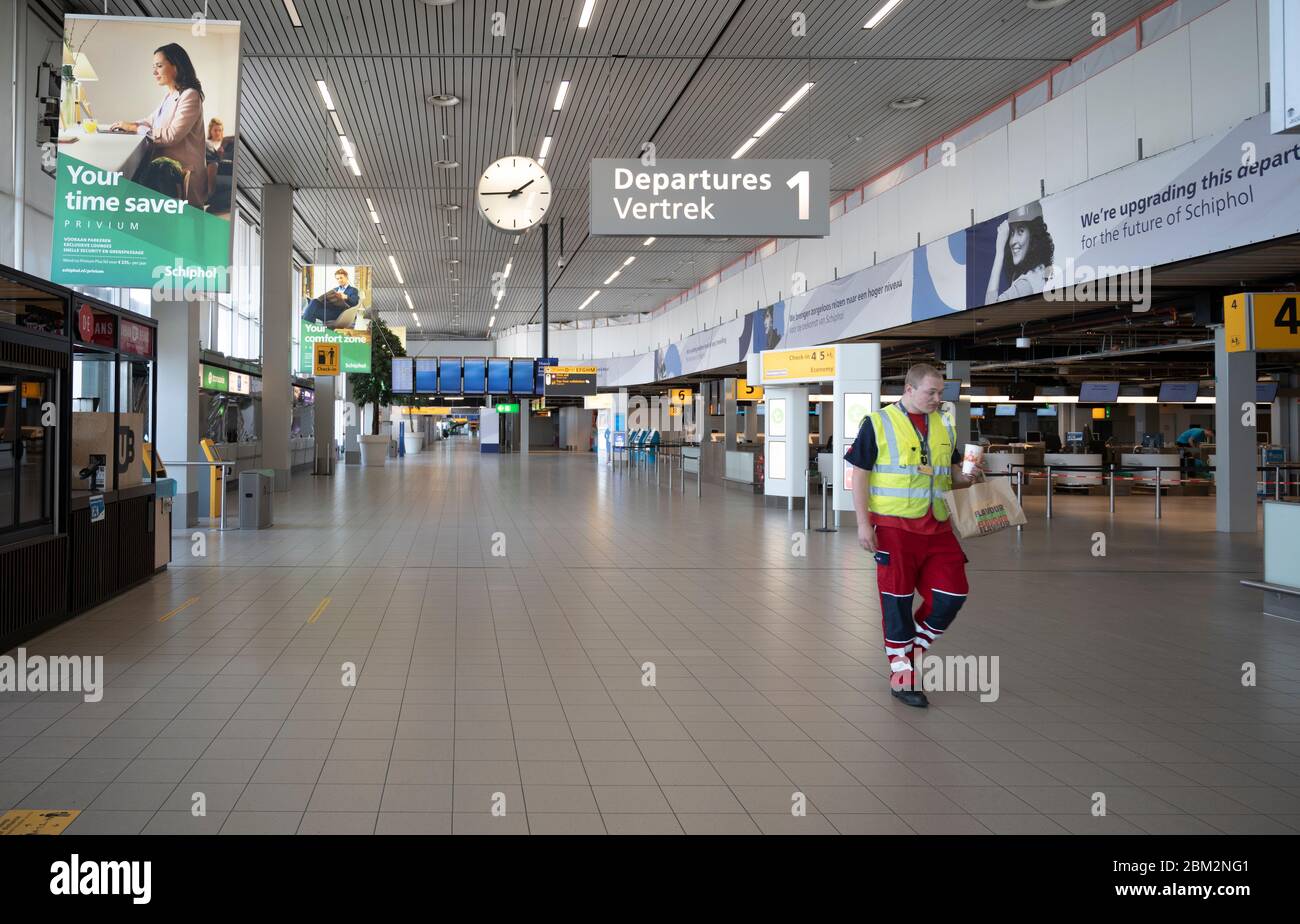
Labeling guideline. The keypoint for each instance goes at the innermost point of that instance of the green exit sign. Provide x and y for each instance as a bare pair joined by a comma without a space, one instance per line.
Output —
508,408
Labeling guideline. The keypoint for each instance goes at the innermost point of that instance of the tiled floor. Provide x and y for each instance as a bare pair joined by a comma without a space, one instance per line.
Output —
515,681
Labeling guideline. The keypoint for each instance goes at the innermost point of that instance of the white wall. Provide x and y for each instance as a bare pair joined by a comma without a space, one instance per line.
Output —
1201,78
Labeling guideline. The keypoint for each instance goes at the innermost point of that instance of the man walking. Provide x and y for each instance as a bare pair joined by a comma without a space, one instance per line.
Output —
903,460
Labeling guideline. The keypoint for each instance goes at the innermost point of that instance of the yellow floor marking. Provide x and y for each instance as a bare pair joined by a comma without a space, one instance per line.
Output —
319,609
37,821
190,602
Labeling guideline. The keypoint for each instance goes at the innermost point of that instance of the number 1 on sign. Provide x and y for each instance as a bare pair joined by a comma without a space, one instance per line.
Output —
800,180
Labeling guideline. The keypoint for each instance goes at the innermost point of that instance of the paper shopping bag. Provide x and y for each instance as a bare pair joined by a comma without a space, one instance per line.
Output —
983,508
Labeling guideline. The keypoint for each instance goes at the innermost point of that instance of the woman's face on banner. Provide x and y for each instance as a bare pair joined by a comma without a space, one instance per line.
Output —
164,72
1018,241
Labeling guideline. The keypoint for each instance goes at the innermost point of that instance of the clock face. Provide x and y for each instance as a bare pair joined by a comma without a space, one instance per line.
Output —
514,193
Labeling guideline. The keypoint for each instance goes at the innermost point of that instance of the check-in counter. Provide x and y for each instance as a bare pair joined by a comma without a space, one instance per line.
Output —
1075,479
1003,462
1167,461
742,466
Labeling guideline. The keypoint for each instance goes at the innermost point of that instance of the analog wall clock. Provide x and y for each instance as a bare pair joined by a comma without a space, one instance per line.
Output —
514,193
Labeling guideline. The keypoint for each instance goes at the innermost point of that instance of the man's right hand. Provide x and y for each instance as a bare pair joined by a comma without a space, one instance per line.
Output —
867,537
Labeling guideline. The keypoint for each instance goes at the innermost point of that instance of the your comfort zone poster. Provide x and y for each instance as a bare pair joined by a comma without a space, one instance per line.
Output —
146,154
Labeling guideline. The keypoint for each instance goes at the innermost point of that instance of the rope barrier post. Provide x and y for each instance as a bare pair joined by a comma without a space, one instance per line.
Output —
1278,493
826,507
1112,487
1157,491
1019,475
1049,492
699,474
807,504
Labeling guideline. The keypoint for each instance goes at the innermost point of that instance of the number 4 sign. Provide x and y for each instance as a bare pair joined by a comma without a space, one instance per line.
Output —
1262,321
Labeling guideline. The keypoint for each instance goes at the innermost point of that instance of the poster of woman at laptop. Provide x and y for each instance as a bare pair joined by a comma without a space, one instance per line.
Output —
1009,257
336,296
146,150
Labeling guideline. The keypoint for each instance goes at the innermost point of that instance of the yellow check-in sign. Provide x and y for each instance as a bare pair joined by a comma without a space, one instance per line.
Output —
747,392
1261,321
811,365
679,397
325,358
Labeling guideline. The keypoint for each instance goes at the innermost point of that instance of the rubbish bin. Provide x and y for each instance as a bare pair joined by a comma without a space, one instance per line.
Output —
255,487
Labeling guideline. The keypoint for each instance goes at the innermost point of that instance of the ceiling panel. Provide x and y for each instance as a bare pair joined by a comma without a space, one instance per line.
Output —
694,78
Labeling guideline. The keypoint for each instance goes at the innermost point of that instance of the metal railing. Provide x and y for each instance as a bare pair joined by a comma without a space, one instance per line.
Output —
1115,473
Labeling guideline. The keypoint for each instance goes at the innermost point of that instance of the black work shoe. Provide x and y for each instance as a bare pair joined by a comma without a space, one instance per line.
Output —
910,697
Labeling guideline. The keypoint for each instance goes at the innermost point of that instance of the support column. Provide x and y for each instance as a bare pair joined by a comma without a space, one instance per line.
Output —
178,403
524,413
277,330
1234,443
324,452
785,447
729,414
960,370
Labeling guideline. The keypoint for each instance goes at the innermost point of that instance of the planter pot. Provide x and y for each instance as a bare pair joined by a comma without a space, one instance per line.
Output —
414,442
374,450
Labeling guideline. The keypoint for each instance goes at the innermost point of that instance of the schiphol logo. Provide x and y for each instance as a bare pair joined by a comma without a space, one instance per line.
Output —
181,283
76,876
953,674
56,674
1083,282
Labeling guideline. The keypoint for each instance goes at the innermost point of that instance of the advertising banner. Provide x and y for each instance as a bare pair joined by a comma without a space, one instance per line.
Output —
146,154
1236,188
333,308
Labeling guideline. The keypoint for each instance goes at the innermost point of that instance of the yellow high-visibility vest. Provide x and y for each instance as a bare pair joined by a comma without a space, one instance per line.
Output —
897,486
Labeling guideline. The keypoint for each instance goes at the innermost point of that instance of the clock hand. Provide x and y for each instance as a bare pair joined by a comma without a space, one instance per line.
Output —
522,188
504,192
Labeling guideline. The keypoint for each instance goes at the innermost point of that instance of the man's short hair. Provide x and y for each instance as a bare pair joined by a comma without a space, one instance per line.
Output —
920,372
340,272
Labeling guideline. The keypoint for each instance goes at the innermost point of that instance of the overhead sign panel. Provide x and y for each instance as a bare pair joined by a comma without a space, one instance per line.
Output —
742,198
569,381
817,364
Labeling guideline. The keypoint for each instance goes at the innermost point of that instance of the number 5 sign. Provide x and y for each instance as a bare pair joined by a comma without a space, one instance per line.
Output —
1262,321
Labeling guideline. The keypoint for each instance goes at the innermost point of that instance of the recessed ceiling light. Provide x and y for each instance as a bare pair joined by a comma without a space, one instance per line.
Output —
546,146
325,95
907,102
449,207
740,151
453,238
629,261
338,126
437,2
346,146
881,13
762,130
585,17
443,100
1045,4
292,9
647,242
453,260
446,164
588,300
560,92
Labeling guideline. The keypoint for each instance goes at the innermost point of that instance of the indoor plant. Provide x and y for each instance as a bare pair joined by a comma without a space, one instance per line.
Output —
375,388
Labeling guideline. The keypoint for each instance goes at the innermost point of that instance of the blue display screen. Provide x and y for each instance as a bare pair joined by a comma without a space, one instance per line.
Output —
522,380
1265,392
403,376
475,375
1049,411
498,376
449,375
426,376
1006,410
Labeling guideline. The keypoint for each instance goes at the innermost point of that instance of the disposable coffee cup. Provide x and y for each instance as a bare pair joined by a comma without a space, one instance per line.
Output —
971,458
